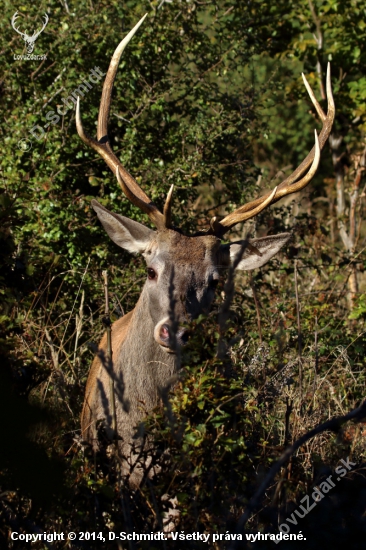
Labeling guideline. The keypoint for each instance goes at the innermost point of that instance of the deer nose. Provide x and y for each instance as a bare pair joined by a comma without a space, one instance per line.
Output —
168,339
182,336
164,332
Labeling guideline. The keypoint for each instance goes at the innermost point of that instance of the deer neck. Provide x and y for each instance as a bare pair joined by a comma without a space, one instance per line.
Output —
146,367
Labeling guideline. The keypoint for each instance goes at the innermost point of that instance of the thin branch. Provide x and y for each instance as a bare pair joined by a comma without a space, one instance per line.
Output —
74,304
79,325
299,334
224,312
319,42
107,323
256,302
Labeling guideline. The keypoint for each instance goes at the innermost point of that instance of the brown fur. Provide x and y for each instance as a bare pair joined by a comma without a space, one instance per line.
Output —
119,333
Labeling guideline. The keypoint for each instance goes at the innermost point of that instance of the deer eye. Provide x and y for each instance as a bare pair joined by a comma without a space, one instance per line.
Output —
151,273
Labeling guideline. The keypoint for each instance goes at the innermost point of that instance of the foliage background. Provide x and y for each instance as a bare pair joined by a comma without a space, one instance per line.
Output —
208,97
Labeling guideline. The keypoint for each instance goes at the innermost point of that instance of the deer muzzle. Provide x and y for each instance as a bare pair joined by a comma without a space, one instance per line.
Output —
170,337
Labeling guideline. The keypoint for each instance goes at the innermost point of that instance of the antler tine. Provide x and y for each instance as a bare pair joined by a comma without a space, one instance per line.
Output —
168,208
128,184
105,102
316,103
277,194
43,26
13,21
149,208
287,186
237,217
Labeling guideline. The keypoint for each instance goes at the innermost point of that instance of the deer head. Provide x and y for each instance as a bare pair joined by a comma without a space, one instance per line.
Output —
184,270
29,40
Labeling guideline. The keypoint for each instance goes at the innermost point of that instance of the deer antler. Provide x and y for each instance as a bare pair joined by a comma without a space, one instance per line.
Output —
290,184
129,186
136,195
13,20
36,34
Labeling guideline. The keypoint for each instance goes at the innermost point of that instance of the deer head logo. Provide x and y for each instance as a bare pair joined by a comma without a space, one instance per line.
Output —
29,40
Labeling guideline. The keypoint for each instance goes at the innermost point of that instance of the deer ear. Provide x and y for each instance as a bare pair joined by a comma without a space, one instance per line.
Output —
256,252
126,233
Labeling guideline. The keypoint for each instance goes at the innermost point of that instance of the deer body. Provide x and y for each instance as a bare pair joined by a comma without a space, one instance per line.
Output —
143,358
182,274
145,367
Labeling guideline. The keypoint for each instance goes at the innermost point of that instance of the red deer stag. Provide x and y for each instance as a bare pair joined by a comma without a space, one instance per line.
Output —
142,341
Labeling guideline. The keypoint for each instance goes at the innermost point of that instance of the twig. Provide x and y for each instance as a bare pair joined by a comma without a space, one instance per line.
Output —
65,5
79,324
319,43
316,364
54,352
74,304
299,335
218,408
229,290
174,324
289,407
109,361
256,302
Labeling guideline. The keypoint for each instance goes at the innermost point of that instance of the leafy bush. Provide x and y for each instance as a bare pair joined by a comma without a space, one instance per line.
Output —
208,97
